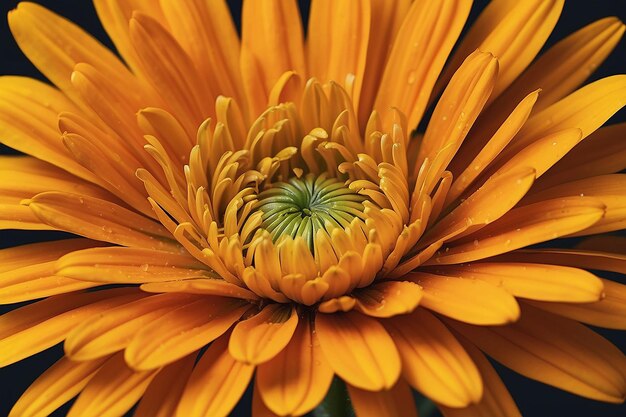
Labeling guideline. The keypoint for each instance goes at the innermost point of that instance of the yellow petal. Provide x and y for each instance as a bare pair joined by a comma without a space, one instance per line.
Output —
387,299
261,337
28,330
534,281
99,220
337,40
182,331
112,391
216,384
359,350
113,331
398,401
555,351
609,312
603,152
129,266
588,259
525,226
270,29
57,385
468,300
433,361
207,286
295,390
163,394
496,400
420,49
455,113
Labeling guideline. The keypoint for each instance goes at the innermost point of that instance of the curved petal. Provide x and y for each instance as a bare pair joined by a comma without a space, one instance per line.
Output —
216,383
387,299
206,286
398,401
433,361
295,390
359,350
261,337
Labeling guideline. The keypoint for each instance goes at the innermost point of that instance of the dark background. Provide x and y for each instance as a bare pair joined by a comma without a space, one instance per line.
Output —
534,399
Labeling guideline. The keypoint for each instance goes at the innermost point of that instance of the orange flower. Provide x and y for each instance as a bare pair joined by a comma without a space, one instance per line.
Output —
267,199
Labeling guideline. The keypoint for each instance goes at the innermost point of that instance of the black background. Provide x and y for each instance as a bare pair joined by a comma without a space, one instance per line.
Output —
534,399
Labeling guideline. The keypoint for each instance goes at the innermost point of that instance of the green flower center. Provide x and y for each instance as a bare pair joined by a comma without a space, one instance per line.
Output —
302,206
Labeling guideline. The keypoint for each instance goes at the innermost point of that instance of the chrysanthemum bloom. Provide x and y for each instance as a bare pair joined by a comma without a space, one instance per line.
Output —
260,211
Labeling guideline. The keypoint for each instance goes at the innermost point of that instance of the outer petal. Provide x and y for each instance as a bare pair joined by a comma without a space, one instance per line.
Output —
294,390
556,351
419,52
468,300
182,331
261,337
216,383
433,361
387,299
112,391
359,350
398,401
57,385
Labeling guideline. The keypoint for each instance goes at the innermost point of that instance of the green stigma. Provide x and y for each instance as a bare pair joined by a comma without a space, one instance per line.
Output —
302,206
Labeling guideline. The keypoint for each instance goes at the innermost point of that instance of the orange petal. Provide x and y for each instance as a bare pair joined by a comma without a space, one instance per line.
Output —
604,261
433,361
359,350
387,299
112,391
609,312
533,281
113,331
295,390
206,286
99,220
216,383
163,394
337,40
261,337
468,300
182,331
28,330
420,49
129,266
496,400
398,401
56,386
555,351
525,226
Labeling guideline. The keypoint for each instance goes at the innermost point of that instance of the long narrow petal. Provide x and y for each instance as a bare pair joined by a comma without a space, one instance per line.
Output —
182,331
272,36
534,281
295,390
56,386
555,351
100,220
398,401
129,266
261,337
496,400
113,331
164,392
216,383
525,226
205,285
28,330
468,300
609,312
337,41
579,258
112,391
359,350
433,361
421,47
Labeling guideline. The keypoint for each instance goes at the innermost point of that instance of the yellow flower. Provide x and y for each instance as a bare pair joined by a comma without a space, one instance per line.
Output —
266,213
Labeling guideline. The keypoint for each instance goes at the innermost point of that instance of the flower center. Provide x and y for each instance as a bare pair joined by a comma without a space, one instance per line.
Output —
303,206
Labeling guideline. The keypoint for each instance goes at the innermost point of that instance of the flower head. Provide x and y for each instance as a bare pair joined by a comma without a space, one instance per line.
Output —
267,212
